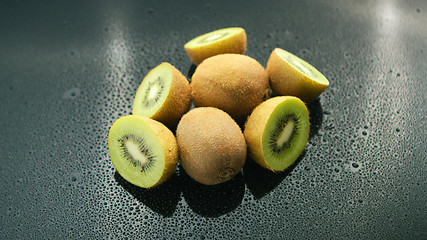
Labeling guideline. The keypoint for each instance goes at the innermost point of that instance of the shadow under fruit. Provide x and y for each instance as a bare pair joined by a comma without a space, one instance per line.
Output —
215,200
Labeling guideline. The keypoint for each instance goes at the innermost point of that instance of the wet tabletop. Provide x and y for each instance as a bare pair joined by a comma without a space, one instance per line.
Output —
69,69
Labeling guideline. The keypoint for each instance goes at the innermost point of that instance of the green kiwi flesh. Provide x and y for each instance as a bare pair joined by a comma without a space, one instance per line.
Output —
226,40
211,37
214,36
285,134
136,151
153,91
303,67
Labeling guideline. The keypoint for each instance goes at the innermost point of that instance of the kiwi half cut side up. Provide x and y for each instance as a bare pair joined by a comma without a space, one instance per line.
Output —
142,150
163,95
226,40
277,131
290,75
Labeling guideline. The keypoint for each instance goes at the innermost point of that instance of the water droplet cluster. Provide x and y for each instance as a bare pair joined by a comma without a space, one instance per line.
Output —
362,170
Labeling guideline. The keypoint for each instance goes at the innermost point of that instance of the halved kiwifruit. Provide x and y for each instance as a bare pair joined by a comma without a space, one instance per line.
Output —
226,40
290,75
142,150
277,131
164,95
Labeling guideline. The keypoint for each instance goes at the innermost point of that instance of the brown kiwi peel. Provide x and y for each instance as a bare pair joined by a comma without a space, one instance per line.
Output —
211,145
232,82
170,146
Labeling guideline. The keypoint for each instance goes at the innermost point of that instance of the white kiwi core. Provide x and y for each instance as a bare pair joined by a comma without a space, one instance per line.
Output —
153,91
133,149
286,133
213,37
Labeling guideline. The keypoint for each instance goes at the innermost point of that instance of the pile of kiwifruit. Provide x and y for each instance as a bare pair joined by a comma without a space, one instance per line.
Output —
228,88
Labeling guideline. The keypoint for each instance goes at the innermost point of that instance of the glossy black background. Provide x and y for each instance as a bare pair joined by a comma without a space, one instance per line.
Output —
69,69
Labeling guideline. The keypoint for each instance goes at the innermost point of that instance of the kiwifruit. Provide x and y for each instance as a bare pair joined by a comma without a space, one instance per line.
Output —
211,145
164,95
226,40
277,131
143,151
234,83
290,75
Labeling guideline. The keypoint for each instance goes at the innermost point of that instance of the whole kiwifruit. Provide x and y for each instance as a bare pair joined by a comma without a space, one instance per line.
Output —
234,83
164,95
211,145
290,75
226,40
277,131
142,150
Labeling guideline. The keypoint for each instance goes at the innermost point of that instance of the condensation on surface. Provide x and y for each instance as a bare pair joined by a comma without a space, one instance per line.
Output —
360,176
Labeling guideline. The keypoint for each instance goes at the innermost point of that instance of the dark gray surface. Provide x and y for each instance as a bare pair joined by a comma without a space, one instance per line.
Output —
69,69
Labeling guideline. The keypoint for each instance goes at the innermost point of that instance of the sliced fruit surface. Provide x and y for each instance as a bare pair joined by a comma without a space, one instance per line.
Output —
226,40
163,95
153,91
302,66
291,75
137,147
285,134
277,132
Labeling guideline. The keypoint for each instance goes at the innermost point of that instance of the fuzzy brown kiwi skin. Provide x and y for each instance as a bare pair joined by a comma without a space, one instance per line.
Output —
170,148
234,83
177,102
211,145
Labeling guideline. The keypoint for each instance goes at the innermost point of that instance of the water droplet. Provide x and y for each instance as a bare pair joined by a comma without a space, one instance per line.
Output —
71,93
346,55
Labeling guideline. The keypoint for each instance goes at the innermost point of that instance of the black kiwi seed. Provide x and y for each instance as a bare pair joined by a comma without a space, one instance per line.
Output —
142,148
280,125
149,103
